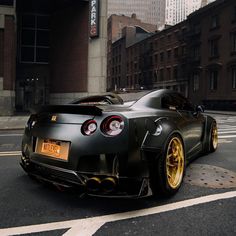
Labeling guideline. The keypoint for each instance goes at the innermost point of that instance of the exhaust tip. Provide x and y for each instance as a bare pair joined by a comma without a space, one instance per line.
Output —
108,184
93,184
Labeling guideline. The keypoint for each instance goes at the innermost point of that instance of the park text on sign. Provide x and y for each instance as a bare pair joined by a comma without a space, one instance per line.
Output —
94,18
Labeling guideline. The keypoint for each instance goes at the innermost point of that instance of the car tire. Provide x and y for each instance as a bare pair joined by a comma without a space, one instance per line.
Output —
170,167
213,138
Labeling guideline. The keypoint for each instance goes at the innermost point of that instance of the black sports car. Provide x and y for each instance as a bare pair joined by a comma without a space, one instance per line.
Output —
109,148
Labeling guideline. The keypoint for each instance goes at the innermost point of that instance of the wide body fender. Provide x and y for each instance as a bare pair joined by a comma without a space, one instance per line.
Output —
155,141
207,133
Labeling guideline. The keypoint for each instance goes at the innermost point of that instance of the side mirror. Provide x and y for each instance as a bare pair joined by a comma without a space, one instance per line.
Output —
200,108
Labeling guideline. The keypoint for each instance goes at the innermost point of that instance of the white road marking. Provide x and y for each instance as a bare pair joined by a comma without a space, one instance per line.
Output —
226,129
226,136
87,229
224,141
10,153
88,226
11,135
227,132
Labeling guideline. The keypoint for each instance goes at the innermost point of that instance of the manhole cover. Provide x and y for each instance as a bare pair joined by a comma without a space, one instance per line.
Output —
210,176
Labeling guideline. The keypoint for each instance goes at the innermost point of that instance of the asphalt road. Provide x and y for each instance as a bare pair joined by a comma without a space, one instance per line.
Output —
205,204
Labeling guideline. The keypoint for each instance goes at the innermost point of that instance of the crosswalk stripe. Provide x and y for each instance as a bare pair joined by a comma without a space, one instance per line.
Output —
226,129
11,135
227,132
226,136
226,126
10,153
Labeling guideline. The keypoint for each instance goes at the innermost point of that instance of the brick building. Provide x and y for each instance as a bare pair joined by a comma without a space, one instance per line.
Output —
212,55
116,24
150,60
196,57
131,35
48,53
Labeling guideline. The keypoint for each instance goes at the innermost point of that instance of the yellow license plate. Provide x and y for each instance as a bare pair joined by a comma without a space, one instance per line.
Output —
53,148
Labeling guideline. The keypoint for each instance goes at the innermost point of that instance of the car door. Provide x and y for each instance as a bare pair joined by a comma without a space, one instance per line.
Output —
191,124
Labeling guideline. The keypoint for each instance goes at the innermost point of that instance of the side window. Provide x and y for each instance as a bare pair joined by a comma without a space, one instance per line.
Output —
183,103
167,102
176,101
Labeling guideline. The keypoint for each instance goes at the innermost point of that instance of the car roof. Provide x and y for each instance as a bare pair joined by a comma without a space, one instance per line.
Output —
147,100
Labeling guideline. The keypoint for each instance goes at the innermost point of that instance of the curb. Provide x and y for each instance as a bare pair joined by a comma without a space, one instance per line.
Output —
221,113
11,129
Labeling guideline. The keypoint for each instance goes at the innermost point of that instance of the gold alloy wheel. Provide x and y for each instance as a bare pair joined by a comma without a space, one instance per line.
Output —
175,162
214,136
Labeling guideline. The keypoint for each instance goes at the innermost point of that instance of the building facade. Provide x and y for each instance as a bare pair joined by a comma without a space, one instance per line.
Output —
196,57
48,53
7,56
157,62
116,24
211,44
150,11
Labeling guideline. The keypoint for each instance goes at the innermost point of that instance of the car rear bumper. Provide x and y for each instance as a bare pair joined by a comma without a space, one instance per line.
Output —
122,186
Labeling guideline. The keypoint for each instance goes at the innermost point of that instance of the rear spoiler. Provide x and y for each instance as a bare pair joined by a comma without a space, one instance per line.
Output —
70,109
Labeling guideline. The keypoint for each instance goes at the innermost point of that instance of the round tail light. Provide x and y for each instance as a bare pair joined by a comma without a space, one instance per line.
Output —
89,127
112,125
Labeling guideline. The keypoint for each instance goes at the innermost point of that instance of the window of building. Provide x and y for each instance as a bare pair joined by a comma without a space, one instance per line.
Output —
184,30
156,58
162,39
177,34
35,39
196,28
150,74
233,42
168,73
233,76
214,22
214,52
161,74
169,37
151,46
195,82
162,56
234,15
176,72
196,52
176,52
169,54
118,81
150,60
183,49
213,80
156,44
155,75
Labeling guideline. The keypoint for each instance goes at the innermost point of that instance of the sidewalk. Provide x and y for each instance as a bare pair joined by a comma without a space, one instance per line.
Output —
13,122
18,122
